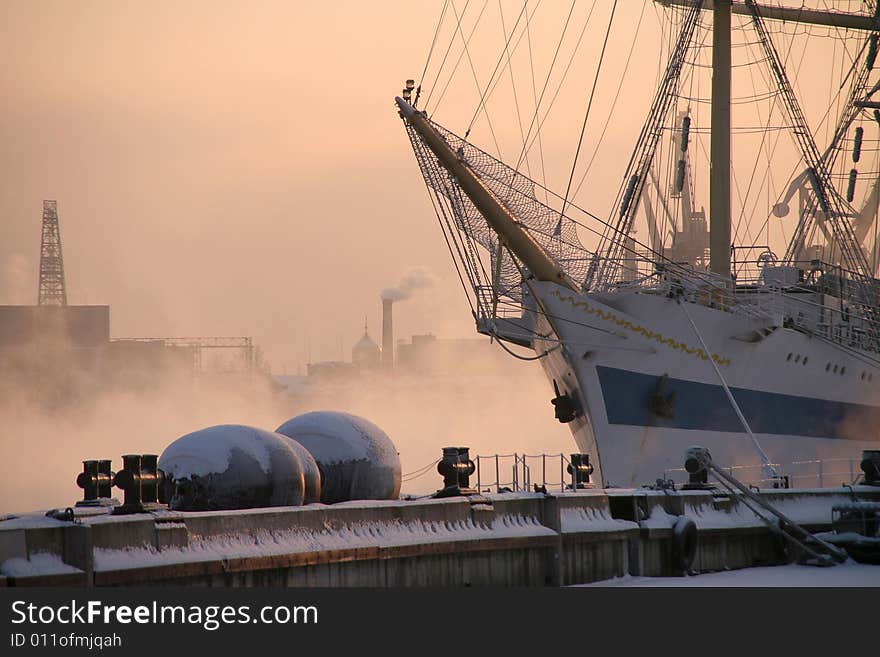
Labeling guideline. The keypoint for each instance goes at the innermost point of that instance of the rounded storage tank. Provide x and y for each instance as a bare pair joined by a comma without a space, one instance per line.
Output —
356,458
232,466
311,472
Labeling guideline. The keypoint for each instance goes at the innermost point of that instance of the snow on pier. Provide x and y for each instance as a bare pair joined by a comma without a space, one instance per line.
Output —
522,539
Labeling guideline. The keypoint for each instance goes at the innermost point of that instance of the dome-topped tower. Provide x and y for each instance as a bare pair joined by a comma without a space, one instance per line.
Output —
366,353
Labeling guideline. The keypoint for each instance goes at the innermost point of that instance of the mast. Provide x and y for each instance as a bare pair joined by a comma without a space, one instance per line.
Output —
791,14
719,179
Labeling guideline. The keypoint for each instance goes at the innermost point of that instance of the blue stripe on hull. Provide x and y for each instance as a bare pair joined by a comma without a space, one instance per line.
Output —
705,406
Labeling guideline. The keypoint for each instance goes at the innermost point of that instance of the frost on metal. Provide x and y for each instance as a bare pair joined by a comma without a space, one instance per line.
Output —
233,467
356,458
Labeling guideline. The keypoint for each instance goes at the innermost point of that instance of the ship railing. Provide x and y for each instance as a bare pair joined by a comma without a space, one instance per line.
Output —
816,276
756,294
792,304
841,323
490,299
694,284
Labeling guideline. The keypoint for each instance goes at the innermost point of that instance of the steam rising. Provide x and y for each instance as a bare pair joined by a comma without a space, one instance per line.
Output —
417,278
492,404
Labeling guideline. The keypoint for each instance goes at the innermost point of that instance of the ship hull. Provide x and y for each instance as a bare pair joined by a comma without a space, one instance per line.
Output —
647,390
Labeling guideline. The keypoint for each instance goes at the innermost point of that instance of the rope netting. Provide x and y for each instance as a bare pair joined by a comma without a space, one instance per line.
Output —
555,233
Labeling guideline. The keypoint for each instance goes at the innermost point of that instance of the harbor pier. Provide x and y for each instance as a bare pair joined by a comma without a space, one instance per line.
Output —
505,539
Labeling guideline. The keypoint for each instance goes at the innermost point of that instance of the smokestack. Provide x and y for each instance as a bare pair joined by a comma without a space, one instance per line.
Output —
387,335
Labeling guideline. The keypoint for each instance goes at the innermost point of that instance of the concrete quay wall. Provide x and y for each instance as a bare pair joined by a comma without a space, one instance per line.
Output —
514,539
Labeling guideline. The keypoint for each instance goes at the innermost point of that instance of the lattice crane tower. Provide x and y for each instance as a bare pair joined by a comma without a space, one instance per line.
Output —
52,289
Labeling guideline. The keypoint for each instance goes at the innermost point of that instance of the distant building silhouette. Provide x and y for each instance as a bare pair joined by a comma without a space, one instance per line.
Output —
366,354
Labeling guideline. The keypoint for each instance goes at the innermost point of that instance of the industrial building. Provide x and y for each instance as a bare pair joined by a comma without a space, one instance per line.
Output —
56,352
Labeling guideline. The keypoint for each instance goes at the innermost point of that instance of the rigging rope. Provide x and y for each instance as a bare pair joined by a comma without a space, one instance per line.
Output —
421,472
603,272
535,101
613,102
430,52
445,55
546,82
742,418
483,93
461,54
512,81
467,53
561,80
587,113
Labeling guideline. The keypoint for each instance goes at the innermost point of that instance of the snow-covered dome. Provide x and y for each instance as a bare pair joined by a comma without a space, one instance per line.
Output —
232,466
356,458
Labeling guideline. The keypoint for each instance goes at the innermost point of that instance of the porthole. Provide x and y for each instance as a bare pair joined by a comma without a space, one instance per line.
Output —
827,367
863,376
843,369
835,369
789,357
805,360
797,359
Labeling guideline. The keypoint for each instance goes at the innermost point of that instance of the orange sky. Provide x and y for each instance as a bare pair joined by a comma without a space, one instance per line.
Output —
232,168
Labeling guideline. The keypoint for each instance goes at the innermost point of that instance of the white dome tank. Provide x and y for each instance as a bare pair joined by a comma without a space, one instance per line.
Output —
356,458
232,466
311,472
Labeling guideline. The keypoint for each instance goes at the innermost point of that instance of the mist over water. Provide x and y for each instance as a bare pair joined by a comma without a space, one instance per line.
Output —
490,406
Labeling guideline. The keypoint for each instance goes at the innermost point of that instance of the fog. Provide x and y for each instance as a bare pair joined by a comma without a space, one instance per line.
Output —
239,169
491,405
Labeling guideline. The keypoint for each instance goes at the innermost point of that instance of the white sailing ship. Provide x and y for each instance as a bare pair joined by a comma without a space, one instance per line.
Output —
651,347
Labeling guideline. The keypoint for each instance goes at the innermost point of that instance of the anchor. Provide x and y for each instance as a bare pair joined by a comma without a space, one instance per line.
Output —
567,408
662,404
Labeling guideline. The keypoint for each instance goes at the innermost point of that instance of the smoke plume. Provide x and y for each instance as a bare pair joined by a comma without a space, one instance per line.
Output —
415,279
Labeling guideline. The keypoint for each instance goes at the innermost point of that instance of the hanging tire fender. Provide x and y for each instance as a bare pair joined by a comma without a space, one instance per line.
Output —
685,538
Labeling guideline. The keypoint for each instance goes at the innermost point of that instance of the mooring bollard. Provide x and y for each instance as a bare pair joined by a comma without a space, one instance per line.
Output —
456,468
871,466
96,480
141,481
580,470
696,463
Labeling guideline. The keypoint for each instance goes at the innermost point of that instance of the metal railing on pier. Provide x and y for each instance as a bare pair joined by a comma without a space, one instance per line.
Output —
520,472
523,472
810,473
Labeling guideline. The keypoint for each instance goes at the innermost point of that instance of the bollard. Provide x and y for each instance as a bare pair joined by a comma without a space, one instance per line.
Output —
456,468
871,466
150,478
96,480
696,460
141,481
580,470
